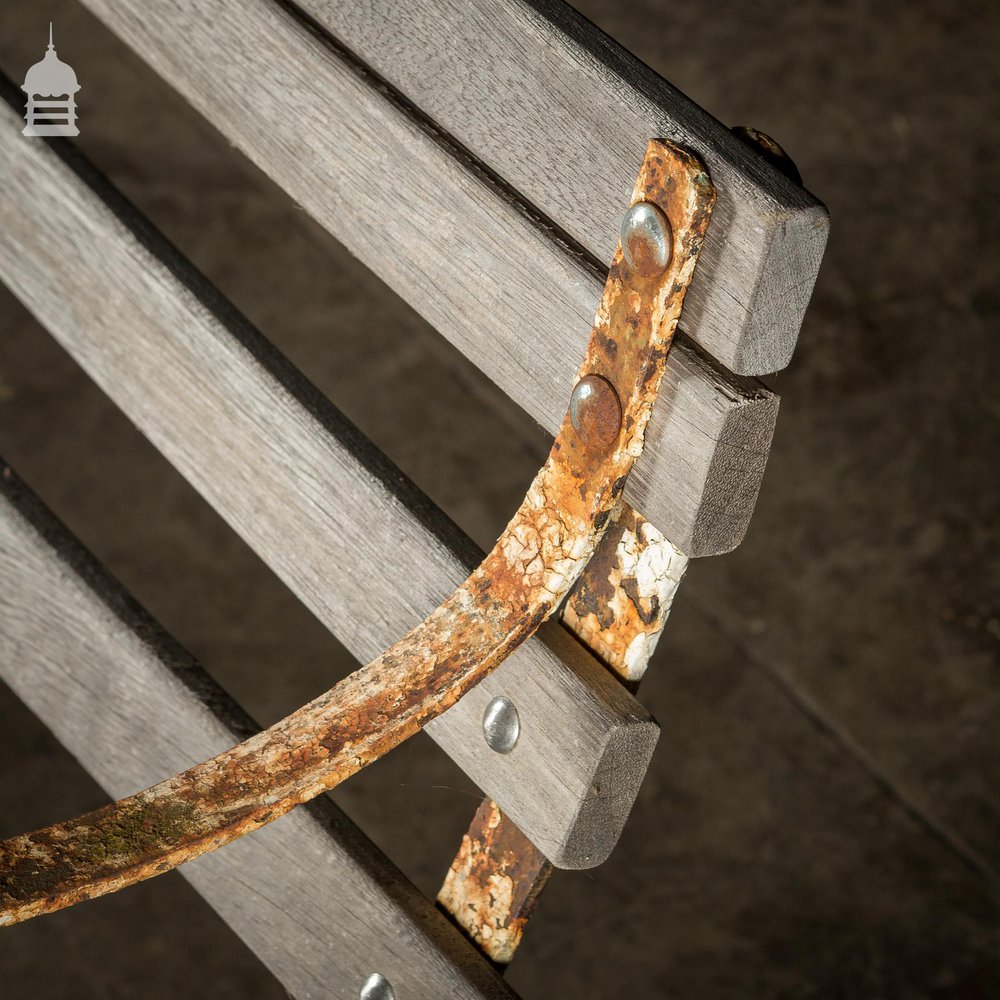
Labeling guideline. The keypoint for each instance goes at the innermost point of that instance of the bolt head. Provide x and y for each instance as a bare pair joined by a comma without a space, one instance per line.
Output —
595,412
501,725
376,987
769,149
647,239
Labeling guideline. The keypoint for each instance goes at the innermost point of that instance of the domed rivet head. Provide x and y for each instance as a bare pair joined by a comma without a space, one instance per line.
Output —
501,725
595,412
377,987
769,149
647,239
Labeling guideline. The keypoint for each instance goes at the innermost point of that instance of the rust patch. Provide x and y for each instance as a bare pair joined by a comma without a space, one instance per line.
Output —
536,560
494,882
619,604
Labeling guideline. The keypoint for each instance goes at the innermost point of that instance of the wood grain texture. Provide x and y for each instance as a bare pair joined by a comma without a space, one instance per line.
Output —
354,540
562,113
317,903
495,280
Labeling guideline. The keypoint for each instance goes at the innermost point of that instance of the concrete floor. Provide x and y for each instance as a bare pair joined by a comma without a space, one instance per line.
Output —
821,818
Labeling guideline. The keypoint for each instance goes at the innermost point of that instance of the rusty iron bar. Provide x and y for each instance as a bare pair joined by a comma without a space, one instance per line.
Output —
617,608
620,603
494,882
517,586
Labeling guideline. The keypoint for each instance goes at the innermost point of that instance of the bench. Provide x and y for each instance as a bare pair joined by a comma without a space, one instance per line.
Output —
482,168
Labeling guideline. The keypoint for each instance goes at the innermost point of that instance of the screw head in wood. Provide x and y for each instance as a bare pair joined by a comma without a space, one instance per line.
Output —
647,239
595,412
377,987
501,725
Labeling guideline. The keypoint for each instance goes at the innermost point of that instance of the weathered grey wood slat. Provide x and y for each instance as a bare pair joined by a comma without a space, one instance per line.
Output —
355,541
310,895
562,113
502,288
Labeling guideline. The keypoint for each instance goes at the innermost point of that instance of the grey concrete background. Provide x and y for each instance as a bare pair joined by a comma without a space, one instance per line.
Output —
821,818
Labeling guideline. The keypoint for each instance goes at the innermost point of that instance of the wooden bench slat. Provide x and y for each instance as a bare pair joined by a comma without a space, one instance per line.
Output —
309,894
354,540
504,289
562,113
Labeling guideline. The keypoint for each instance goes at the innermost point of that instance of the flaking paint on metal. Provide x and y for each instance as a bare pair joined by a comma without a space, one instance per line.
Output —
493,883
619,605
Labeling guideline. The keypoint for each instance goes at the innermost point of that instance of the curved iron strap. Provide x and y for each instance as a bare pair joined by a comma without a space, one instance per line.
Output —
516,587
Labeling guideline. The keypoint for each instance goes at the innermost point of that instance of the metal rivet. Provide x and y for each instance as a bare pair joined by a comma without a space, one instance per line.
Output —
769,149
377,987
594,411
501,725
646,239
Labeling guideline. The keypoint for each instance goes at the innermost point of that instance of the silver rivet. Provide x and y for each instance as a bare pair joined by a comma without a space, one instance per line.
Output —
646,239
377,987
501,725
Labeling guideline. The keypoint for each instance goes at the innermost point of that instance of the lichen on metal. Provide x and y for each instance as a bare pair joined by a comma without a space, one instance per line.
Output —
518,585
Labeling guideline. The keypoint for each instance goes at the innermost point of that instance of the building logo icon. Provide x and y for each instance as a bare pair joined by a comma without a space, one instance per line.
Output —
50,78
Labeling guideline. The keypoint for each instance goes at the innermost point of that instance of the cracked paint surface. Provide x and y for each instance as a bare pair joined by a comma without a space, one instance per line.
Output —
517,586
493,884
619,605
